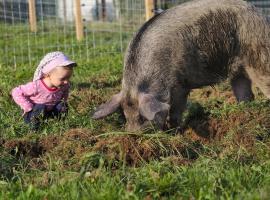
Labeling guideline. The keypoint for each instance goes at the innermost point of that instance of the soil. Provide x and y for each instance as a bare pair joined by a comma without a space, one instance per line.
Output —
134,149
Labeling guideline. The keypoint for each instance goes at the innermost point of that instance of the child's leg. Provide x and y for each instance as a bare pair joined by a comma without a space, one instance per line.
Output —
32,117
60,110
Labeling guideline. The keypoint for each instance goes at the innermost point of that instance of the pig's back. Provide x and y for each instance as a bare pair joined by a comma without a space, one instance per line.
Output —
204,31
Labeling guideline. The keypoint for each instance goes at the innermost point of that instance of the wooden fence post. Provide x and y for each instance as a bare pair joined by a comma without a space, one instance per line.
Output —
97,9
103,9
149,7
65,12
78,20
32,15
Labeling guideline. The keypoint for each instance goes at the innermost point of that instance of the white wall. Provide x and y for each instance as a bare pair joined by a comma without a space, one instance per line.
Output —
88,9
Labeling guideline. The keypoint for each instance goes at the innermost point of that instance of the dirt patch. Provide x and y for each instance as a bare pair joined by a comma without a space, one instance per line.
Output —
206,130
136,149
23,147
235,134
2,141
229,131
66,146
72,146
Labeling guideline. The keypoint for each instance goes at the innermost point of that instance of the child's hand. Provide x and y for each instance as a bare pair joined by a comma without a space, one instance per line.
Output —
25,112
64,109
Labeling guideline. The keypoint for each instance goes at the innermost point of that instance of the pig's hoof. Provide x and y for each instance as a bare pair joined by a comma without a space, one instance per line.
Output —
179,130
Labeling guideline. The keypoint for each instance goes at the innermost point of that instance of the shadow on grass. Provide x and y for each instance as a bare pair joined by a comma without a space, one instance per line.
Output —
198,120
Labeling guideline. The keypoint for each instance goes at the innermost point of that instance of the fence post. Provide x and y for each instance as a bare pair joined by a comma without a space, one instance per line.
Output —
97,9
149,7
65,12
103,9
78,20
32,15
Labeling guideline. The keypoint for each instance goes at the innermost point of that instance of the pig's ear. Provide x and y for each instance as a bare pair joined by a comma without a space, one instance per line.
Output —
150,107
109,107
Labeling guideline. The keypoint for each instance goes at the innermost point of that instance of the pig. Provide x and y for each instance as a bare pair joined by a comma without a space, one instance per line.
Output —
192,45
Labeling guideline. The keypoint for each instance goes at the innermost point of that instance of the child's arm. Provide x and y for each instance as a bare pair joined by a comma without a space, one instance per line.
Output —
66,92
22,94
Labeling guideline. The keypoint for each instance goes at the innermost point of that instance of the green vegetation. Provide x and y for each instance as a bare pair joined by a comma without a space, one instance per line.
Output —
223,152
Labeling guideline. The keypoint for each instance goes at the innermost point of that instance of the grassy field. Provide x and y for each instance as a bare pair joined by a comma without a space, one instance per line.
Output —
222,154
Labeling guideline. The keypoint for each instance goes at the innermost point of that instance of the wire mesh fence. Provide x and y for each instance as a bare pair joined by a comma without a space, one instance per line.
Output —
107,27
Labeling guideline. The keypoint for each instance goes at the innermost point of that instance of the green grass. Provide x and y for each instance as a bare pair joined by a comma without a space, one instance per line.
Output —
223,153
206,179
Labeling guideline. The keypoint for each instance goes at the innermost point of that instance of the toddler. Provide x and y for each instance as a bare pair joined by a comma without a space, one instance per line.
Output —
47,94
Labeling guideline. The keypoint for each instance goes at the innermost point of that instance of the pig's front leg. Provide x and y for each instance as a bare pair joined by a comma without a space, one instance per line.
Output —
241,86
178,103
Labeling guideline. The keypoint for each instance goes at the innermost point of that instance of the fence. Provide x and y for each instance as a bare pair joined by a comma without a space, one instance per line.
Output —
81,28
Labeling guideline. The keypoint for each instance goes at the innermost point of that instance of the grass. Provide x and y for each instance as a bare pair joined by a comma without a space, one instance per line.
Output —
223,152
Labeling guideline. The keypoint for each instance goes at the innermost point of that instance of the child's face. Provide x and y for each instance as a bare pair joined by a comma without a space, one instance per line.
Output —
60,76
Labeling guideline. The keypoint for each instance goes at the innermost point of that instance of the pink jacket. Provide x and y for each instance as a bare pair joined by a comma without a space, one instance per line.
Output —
37,92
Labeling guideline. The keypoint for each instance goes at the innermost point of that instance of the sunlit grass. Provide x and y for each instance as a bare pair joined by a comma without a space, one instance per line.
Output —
223,152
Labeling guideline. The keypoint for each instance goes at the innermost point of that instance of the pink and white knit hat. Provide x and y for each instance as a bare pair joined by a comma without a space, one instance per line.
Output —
51,61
